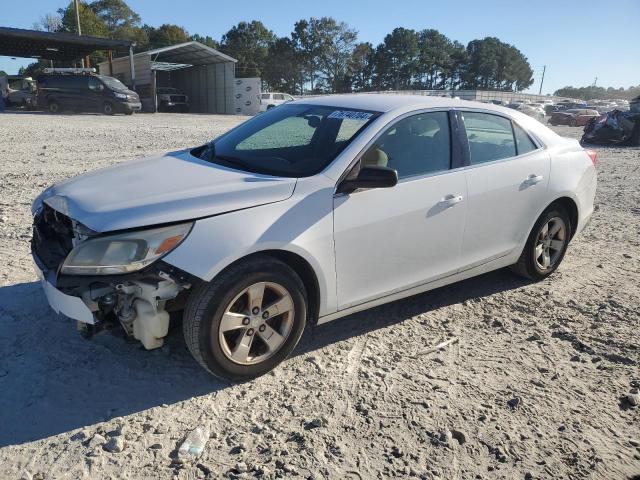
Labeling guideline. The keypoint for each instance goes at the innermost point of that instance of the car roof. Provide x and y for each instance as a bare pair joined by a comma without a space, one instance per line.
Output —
390,102
399,104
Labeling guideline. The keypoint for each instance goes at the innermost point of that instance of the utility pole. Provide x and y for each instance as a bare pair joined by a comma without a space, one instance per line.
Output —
595,81
544,69
77,6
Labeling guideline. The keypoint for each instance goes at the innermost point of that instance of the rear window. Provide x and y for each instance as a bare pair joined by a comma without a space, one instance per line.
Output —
524,144
490,137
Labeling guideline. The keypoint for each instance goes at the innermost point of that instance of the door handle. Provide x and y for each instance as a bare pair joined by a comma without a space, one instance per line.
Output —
450,200
533,179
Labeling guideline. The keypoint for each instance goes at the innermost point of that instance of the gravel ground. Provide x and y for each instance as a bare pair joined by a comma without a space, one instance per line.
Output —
540,384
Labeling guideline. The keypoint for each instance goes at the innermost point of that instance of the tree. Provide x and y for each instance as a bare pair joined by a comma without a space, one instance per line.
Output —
121,21
283,70
494,65
396,60
599,93
165,35
362,67
116,15
434,50
314,43
208,41
248,42
338,42
49,23
90,23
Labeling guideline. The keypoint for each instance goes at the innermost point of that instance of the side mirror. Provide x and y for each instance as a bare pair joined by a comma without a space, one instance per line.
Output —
370,177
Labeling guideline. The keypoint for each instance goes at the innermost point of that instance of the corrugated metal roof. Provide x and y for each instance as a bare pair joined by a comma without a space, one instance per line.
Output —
194,53
18,42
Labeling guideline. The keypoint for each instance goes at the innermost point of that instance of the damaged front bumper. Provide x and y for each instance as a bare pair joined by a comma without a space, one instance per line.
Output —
72,307
138,301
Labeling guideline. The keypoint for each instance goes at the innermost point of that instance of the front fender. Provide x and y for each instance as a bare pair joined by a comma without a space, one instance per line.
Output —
302,224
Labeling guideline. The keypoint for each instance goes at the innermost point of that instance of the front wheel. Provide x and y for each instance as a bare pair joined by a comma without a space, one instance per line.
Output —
247,320
546,245
107,108
54,107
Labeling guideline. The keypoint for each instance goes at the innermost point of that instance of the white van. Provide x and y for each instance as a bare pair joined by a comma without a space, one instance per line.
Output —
273,99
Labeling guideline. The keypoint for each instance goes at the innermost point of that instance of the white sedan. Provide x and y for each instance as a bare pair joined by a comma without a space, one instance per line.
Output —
307,213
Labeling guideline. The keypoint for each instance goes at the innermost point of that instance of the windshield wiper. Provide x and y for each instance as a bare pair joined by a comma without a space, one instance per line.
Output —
234,161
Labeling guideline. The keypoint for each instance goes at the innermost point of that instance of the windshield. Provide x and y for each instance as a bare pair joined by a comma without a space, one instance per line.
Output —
289,141
112,83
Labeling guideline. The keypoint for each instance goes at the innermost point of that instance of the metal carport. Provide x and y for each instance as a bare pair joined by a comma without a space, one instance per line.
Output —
203,73
17,42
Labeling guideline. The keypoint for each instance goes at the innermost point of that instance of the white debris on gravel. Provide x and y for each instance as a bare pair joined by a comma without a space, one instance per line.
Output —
357,400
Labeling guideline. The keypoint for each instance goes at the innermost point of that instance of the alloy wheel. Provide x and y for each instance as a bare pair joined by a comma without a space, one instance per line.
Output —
550,243
256,324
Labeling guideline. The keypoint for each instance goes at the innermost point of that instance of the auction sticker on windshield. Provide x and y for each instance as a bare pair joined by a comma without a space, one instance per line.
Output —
350,114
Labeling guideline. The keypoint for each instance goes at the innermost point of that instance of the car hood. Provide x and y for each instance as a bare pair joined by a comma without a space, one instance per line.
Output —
170,188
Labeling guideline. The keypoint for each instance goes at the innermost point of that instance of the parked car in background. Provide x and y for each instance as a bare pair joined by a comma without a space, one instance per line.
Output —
273,99
21,92
309,212
573,117
80,90
528,109
172,99
549,109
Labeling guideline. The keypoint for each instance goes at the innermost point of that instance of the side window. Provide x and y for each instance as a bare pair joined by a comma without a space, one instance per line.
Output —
94,84
278,96
266,96
416,145
524,143
490,137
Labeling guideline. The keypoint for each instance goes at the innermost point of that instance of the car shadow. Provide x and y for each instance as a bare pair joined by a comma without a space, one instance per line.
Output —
53,381
395,312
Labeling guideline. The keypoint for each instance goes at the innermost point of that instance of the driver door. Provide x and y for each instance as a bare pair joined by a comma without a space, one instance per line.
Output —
392,239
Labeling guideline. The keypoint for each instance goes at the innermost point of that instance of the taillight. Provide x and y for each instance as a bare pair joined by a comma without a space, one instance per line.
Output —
593,155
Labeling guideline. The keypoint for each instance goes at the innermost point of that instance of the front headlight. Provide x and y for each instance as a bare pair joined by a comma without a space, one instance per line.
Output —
123,96
124,252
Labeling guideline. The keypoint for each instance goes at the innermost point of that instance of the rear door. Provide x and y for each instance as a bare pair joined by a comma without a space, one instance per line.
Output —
507,186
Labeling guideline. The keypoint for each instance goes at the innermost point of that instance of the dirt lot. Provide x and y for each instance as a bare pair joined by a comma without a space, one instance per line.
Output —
536,387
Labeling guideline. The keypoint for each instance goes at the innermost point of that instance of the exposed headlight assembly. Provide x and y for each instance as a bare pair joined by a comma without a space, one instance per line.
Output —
123,96
124,252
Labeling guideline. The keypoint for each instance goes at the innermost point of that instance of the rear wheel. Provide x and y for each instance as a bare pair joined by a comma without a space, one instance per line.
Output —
546,245
54,107
573,122
247,320
107,108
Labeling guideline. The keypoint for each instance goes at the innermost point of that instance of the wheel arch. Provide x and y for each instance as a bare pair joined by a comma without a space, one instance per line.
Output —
570,205
299,265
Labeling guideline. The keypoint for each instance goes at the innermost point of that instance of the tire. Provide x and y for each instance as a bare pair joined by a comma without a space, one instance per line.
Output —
128,112
213,344
107,108
573,122
530,264
53,107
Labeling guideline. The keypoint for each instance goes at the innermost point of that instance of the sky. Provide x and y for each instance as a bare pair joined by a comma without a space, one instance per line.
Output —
577,40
